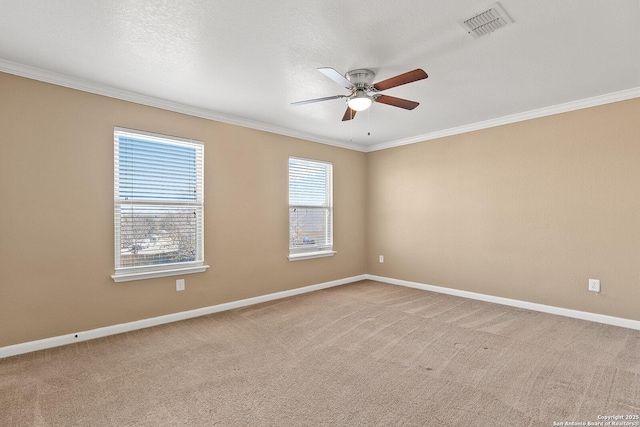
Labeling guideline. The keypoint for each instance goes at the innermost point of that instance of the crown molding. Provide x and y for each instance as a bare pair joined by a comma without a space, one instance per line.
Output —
595,101
35,73
39,74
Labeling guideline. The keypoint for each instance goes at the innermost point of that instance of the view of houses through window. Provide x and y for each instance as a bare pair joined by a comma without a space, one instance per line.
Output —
159,206
310,206
158,200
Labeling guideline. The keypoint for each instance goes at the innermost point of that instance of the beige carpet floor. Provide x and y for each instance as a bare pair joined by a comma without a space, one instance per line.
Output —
362,354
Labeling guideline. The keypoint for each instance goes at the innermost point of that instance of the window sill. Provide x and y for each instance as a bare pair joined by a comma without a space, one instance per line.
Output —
129,276
310,255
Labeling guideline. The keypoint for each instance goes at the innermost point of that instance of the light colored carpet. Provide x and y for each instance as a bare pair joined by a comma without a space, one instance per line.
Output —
356,355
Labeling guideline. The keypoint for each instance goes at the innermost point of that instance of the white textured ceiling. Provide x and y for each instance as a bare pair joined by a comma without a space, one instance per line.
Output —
245,62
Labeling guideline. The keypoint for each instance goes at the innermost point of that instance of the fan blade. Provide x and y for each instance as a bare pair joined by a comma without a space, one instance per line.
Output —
401,79
396,102
311,101
349,114
336,77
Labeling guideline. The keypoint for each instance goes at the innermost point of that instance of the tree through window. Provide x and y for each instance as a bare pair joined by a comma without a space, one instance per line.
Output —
310,208
159,203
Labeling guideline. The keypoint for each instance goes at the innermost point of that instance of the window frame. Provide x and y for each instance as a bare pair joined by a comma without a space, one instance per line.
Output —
326,249
128,273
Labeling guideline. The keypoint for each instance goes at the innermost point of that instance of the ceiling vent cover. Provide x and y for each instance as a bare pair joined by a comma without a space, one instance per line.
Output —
487,21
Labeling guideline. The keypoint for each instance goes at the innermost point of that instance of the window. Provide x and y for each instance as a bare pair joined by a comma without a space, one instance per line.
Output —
310,209
159,205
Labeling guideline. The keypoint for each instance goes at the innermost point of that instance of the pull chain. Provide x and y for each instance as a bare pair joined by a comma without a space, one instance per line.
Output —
351,125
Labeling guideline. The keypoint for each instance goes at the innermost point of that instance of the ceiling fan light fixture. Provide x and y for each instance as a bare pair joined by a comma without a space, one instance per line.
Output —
364,93
359,102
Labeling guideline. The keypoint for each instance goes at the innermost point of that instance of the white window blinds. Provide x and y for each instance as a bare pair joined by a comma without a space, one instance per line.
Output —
159,202
310,206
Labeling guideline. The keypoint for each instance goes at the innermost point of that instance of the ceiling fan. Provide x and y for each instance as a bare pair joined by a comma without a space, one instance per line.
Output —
364,92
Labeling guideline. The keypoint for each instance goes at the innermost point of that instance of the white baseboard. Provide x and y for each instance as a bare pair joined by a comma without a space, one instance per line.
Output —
593,317
28,347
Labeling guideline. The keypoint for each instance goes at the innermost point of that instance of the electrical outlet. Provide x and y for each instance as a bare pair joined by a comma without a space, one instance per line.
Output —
381,259
180,285
594,285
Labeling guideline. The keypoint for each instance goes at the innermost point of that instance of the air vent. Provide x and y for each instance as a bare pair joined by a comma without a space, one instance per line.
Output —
486,22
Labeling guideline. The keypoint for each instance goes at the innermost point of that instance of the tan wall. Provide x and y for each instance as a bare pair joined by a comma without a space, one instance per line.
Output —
528,211
56,214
